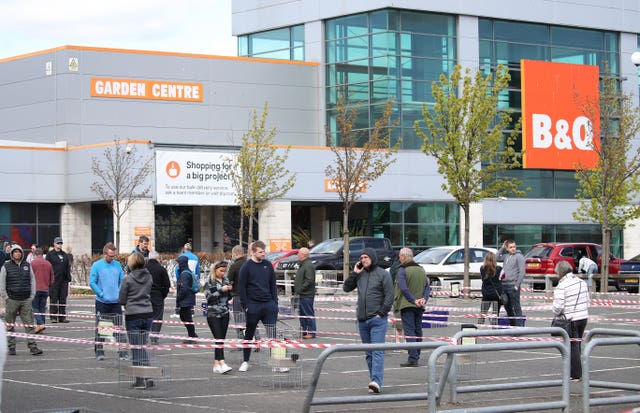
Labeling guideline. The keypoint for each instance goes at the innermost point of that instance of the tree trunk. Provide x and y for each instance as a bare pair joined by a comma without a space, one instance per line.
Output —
345,236
117,233
466,282
250,234
241,229
604,268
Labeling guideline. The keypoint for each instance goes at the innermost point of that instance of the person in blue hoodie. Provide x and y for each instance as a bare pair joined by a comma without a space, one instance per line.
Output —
105,280
185,297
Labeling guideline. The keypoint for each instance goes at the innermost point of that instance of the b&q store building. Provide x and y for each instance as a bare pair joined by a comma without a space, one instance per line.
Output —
59,108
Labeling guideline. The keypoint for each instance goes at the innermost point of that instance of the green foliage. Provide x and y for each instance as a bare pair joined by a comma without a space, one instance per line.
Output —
300,237
464,130
259,174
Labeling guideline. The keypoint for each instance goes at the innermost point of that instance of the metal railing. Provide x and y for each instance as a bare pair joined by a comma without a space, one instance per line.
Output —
310,400
622,337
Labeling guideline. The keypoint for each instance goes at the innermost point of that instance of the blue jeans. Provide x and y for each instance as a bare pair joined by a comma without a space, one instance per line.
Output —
39,305
138,334
374,330
267,312
412,326
514,311
307,316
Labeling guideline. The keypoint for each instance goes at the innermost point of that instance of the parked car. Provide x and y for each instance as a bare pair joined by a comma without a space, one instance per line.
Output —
450,259
276,256
328,255
630,283
542,258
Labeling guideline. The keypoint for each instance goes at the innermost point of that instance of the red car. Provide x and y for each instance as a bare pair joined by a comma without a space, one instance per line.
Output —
542,258
276,256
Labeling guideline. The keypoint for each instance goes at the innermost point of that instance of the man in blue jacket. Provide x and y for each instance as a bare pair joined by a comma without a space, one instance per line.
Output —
105,280
375,298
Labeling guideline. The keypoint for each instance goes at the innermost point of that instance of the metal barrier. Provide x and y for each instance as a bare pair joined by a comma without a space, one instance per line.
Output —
310,400
562,346
624,337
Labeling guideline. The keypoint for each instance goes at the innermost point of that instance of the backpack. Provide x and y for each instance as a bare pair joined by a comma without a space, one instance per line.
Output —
195,283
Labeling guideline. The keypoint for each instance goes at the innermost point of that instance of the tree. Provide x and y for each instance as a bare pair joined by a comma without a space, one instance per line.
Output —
354,166
121,180
259,174
608,192
465,134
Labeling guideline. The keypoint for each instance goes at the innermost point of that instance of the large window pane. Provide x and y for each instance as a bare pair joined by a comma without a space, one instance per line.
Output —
579,38
415,22
347,26
520,32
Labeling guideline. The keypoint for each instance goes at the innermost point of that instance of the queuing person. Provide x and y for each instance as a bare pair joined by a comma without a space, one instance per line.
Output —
135,296
141,248
217,291
159,291
43,272
31,254
18,287
411,295
193,263
186,297
4,254
571,298
259,296
59,290
375,298
397,317
305,286
512,276
491,285
105,279
238,257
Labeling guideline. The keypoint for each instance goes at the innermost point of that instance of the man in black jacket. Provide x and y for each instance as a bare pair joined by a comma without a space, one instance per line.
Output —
59,290
159,291
18,287
375,298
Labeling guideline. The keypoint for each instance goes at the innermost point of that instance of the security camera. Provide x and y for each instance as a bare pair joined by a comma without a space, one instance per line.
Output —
635,58
128,148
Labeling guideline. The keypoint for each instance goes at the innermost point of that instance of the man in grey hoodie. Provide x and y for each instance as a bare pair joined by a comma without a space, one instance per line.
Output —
375,298
512,276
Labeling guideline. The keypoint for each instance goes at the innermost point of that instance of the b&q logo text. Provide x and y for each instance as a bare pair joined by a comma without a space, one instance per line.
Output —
556,133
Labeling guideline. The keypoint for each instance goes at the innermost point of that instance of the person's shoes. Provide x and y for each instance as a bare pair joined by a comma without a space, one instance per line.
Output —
54,320
12,352
189,342
244,366
35,351
574,380
64,321
149,384
409,364
217,369
39,329
375,387
225,369
125,357
99,357
308,336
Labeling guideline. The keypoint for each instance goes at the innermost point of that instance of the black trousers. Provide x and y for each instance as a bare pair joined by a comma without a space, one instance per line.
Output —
576,331
58,293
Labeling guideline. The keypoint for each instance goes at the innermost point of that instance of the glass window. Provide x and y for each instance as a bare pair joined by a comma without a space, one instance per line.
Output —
286,43
362,52
578,38
28,223
520,32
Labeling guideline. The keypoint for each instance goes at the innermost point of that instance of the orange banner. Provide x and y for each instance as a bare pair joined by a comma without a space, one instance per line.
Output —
279,244
145,89
330,186
557,131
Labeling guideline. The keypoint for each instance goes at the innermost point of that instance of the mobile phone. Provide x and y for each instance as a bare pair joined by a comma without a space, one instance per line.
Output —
359,265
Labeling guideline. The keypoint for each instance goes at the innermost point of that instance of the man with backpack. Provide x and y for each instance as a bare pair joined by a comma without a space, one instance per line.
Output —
186,296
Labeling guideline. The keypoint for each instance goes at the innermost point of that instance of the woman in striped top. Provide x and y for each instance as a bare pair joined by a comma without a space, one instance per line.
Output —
571,298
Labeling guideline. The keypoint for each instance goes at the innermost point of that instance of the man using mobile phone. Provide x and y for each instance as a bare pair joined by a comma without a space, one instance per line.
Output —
375,297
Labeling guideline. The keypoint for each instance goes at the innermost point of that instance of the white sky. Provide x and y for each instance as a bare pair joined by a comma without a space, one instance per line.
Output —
189,26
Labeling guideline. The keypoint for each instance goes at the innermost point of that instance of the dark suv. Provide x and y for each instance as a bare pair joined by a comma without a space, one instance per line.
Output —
542,258
328,255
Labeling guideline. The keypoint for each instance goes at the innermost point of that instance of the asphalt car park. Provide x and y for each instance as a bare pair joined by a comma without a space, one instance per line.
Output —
67,374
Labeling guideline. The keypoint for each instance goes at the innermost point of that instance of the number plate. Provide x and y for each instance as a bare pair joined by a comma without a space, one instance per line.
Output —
631,280
533,265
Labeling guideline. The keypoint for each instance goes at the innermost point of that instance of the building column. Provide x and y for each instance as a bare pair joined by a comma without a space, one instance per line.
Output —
203,226
138,220
319,224
475,225
274,222
75,228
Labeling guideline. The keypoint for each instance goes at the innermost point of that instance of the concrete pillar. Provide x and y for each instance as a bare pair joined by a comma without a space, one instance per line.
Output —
75,224
475,225
319,226
203,225
218,228
138,220
275,225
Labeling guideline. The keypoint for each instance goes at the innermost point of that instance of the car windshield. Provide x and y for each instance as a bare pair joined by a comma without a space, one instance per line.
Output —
327,247
539,251
273,256
432,256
